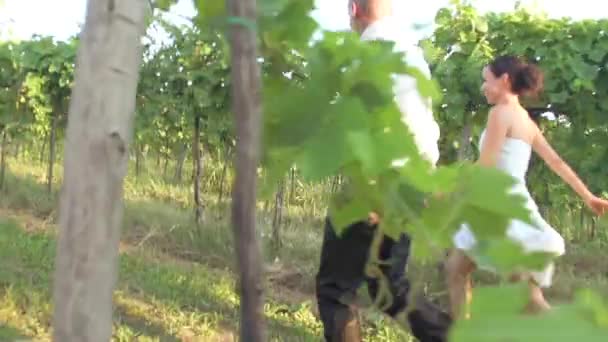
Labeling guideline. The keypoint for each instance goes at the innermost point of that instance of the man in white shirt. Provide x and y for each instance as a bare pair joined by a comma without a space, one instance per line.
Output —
343,259
416,110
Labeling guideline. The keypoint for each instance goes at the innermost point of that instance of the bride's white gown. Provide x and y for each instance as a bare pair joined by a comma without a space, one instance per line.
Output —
514,160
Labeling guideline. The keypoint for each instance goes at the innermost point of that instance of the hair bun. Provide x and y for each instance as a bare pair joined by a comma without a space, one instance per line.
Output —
525,78
528,80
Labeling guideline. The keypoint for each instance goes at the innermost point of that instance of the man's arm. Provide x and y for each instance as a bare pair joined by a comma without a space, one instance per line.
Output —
417,114
417,111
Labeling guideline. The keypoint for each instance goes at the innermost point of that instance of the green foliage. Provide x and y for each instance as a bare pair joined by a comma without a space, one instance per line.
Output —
497,316
39,85
10,84
164,4
210,8
328,110
153,301
457,52
54,63
571,55
342,119
184,80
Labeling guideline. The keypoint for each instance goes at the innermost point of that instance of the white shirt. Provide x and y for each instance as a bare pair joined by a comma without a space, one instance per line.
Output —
416,111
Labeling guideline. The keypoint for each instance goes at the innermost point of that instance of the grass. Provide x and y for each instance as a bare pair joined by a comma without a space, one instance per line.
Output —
177,279
158,299
152,220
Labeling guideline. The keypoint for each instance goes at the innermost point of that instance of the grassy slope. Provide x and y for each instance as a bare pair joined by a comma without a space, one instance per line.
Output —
158,299
177,280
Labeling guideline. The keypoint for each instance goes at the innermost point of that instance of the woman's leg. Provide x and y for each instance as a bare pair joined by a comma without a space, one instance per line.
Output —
538,303
458,275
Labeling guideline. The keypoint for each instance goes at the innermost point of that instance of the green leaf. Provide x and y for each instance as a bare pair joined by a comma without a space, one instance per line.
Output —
485,300
434,229
209,11
426,87
597,55
485,224
442,180
489,189
443,17
560,97
317,161
293,118
393,144
496,316
287,22
481,25
595,306
165,4
363,150
346,210
583,70
507,256
276,163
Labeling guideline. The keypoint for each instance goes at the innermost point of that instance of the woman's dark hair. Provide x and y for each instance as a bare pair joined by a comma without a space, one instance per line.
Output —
526,79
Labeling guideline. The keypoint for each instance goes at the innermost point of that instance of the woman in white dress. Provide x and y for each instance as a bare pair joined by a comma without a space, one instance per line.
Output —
507,143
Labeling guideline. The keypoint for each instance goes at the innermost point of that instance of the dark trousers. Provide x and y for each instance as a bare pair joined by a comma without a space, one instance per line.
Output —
341,273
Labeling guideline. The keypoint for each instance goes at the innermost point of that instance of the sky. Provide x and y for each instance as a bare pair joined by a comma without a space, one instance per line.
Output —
61,18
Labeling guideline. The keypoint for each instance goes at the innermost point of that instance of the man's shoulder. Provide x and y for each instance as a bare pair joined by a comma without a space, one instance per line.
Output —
405,42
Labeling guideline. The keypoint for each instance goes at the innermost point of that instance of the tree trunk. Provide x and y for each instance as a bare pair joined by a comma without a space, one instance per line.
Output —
196,158
30,149
266,206
44,141
99,131
138,160
52,145
166,167
277,218
179,167
465,138
166,161
3,158
17,149
247,117
223,176
292,183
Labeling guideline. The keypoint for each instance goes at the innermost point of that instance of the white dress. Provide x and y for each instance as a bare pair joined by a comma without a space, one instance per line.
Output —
540,237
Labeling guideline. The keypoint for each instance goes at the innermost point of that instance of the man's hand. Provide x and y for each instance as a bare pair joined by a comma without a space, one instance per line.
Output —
373,218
